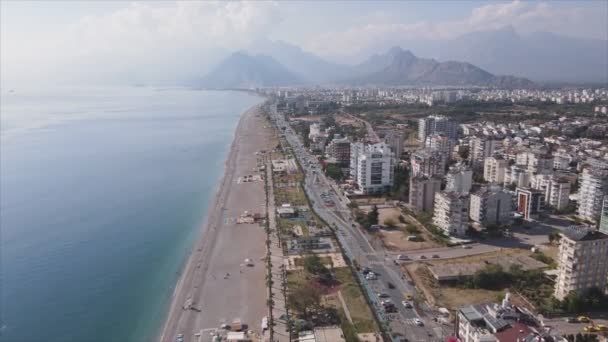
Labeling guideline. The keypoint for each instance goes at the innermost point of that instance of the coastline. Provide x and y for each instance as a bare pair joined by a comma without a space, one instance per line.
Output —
192,287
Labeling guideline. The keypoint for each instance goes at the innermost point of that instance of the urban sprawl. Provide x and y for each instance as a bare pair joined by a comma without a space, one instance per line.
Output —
438,214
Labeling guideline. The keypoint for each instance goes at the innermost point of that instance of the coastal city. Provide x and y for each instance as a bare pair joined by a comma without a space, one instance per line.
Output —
304,171
428,215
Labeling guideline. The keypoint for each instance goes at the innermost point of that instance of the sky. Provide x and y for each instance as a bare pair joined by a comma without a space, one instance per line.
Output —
159,41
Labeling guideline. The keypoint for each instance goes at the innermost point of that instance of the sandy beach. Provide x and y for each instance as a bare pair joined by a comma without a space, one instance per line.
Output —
205,296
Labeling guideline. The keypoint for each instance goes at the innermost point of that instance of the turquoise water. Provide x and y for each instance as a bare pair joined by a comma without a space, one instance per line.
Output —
102,192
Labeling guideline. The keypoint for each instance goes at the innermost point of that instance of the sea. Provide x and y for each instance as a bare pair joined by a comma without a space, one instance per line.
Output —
103,191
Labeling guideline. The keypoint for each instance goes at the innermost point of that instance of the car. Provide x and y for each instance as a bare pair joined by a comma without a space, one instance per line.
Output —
408,296
383,295
466,247
418,322
406,304
571,320
435,256
583,319
390,285
402,257
366,270
422,257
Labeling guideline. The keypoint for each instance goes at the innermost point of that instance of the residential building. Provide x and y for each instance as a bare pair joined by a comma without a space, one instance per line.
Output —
593,187
372,167
428,163
451,212
530,202
339,150
481,148
604,216
422,192
518,175
317,138
394,139
582,261
494,169
440,142
495,322
459,179
491,206
437,124
557,190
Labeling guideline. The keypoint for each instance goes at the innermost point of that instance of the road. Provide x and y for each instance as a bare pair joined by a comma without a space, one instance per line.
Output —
357,247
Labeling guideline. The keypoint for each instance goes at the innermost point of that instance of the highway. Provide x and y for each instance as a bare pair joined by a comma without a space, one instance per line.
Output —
355,243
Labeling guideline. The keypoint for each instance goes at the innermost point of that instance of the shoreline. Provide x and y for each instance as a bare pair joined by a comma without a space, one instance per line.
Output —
193,275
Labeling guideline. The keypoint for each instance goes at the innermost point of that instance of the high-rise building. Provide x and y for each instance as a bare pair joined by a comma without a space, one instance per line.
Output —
394,139
491,205
422,192
530,202
437,124
604,216
582,261
557,190
428,163
372,167
593,188
494,169
339,149
518,175
459,179
481,148
451,212
441,143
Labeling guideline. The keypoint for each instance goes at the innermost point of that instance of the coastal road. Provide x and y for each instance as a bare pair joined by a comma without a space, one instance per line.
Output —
357,246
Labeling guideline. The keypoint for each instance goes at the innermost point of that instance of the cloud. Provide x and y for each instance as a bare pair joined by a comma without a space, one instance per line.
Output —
524,16
143,41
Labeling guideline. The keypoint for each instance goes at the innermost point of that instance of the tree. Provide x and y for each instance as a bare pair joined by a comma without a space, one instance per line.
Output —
390,223
554,237
313,265
372,216
304,299
334,171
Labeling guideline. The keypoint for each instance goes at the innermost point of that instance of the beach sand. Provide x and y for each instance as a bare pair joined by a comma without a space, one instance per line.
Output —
224,245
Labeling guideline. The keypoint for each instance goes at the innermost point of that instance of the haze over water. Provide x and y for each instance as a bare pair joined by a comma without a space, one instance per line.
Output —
102,193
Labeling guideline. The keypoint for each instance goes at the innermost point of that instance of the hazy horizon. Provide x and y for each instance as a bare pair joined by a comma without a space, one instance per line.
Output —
169,42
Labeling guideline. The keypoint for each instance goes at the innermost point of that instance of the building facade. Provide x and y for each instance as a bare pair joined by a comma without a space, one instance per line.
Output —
459,179
494,169
394,139
593,188
530,202
372,167
604,216
491,205
339,149
428,163
422,192
582,261
437,124
451,213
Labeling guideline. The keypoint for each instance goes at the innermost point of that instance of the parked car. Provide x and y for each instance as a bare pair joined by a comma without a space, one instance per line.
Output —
418,322
390,285
406,304
383,295
435,256
402,257
422,257
466,247
571,320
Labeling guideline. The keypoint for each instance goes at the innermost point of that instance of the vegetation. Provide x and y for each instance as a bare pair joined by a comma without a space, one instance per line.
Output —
542,257
334,171
401,184
593,300
304,299
581,338
367,220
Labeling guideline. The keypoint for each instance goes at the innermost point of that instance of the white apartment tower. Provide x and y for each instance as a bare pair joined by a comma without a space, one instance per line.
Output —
491,205
593,188
437,124
494,169
557,190
459,179
371,167
451,212
482,148
582,261
395,140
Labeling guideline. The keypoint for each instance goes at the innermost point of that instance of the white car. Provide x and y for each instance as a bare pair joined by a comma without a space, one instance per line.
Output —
406,304
418,322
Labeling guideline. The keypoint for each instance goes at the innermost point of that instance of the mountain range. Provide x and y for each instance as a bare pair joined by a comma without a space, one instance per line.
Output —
396,67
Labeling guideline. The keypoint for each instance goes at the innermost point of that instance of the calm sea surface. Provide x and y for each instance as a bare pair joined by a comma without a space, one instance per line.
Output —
102,192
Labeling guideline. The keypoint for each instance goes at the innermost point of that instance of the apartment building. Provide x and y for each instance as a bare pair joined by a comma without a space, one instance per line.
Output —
394,139
339,150
422,192
494,169
582,261
437,124
518,175
529,202
451,212
491,205
428,163
372,167
593,187
459,179
557,190
604,216
482,148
